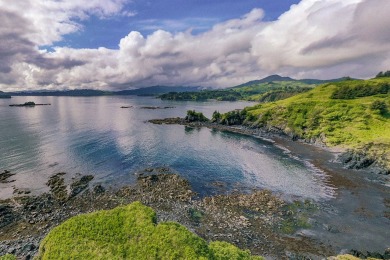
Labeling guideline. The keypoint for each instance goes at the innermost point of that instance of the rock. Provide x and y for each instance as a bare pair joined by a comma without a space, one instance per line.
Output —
58,187
7,215
99,189
5,175
80,185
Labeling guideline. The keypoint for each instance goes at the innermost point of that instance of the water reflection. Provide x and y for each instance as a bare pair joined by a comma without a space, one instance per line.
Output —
96,136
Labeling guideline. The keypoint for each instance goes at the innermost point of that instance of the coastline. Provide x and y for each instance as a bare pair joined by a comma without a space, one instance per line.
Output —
259,221
350,159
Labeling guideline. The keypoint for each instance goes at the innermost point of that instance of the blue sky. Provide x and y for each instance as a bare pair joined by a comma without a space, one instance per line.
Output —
125,44
169,15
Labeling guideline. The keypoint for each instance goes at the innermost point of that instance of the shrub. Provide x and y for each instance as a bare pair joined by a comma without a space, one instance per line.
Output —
379,105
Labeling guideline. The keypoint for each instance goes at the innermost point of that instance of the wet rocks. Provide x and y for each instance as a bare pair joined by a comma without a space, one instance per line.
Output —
361,160
249,221
168,121
7,215
5,175
80,184
57,186
151,107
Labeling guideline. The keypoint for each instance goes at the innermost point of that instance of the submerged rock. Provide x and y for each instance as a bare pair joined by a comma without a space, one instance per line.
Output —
5,175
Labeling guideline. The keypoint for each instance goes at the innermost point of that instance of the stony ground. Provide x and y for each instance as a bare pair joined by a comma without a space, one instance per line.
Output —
258,221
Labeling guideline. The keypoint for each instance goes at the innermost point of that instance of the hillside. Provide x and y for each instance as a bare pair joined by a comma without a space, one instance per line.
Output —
276,86
268,89
130,232
351,114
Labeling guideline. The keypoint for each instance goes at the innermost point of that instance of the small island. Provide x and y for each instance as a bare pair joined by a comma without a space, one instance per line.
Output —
28,104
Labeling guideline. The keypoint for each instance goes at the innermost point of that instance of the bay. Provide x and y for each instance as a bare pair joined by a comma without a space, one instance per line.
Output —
94,135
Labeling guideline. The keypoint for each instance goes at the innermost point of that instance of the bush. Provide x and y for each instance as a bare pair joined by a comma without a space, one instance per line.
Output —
379,105
354,91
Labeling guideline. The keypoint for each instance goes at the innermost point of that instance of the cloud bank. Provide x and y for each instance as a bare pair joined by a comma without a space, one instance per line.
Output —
315,38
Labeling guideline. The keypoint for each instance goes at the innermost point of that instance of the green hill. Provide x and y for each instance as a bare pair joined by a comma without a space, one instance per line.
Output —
350,114
130,232
273,87
268,89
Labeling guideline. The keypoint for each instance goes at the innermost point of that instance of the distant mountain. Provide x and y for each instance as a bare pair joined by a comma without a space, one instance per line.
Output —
70,93
4,95
156,90
265,80
148,91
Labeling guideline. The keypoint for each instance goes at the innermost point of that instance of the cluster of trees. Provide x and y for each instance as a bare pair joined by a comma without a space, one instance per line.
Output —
351,92
383,74
221,95
235,117
193,116
279,94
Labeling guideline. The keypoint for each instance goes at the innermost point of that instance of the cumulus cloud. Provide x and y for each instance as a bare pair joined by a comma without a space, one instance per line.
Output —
323,39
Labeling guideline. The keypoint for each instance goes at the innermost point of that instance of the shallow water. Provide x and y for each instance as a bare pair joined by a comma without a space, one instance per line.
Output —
93,135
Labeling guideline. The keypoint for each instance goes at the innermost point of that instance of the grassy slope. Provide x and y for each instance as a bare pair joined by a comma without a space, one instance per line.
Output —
255,92
348,123
130,232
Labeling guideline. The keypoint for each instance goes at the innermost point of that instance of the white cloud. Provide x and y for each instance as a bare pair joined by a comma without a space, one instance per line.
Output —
323,39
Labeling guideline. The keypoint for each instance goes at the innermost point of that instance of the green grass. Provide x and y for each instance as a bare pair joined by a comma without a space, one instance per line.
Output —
8,257
347,123
130,232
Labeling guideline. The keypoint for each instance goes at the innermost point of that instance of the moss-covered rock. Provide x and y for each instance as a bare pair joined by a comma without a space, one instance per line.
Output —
130,232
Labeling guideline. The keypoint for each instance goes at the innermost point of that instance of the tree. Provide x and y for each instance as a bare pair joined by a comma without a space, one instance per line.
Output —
216,117
383,74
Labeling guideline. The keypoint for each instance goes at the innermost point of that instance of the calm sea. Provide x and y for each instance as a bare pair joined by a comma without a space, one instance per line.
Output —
94,135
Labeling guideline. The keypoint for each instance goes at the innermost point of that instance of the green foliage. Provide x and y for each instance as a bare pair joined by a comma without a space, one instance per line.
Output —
383,74
193,116
216,118
129,232
263,92
221,95
195,215
379,105
351,91
8,257
226,251
235,117
278,94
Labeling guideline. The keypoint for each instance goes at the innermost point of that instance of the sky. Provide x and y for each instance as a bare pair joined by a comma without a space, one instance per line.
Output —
125,44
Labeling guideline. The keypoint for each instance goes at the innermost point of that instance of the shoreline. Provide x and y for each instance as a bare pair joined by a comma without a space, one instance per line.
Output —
361,196
348,158
259,221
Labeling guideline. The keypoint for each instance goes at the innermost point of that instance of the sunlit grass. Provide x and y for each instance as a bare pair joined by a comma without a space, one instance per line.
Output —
348,123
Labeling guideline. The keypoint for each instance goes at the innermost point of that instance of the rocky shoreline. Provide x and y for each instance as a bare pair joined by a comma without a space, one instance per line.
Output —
259,221
351,159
